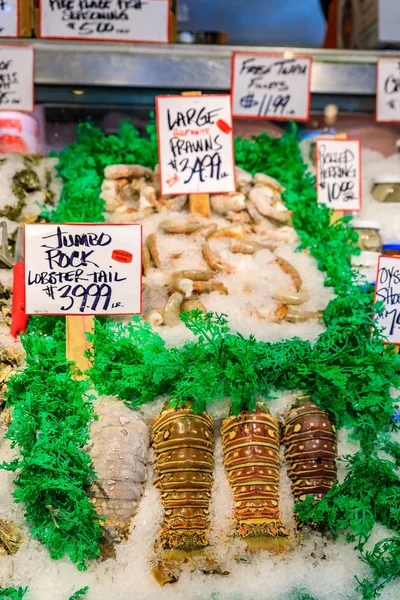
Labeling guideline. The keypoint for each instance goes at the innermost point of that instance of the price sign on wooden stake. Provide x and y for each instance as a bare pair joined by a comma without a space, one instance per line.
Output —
8,18
195,142
388,90
83,269
387,290
338,165
16,77
271,86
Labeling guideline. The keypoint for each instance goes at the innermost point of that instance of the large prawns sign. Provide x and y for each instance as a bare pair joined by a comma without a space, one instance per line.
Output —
83,269
195,144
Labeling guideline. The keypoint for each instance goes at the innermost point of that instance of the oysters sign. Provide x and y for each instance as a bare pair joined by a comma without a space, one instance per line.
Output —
83,269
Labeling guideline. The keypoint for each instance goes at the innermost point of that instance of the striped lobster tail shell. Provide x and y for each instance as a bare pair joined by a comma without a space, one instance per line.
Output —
251,456
309,436
184,442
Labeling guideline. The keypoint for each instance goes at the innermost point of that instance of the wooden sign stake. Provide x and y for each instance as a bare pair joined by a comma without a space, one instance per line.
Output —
199,203
77,343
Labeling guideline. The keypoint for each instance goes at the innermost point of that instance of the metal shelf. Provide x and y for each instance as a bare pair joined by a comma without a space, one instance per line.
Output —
72,63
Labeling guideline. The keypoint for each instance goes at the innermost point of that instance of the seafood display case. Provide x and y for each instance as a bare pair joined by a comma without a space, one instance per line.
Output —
237,440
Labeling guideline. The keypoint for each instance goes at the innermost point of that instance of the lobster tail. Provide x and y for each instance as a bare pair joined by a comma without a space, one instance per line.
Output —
183,442
309,436
251,456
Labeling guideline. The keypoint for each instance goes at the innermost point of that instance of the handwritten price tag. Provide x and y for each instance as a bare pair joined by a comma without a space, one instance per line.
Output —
195,144
8,18
388,89
16,77
388,290
112,20
339,174
83,269
270,86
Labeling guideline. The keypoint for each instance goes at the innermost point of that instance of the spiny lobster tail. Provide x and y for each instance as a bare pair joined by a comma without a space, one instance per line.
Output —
309,436
184,442
251,456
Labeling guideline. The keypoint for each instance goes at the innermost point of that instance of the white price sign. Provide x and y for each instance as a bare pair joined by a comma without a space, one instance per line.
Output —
387,290
16,77
106,20
83,269
388,90
339,174
195,144
8,18
271,86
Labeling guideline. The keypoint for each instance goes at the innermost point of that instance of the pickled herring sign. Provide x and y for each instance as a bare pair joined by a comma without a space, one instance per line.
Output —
112,20
271,86
16,77
387,290
195,142
8,18
388,90
83,269
339,174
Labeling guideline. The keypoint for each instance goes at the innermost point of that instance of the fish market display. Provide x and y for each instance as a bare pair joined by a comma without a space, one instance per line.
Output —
118,447
242,256
309,436
250,443
183,442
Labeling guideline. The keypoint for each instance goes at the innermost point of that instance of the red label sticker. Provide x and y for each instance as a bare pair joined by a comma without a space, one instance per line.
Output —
122,256
223,126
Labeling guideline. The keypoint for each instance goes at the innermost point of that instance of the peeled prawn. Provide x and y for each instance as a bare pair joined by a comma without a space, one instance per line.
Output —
123,214
209,286
247,247
239,217
182,284
266,205
214,260
297,315
291,271
292,297
224,203
190,304
280,234
183,227
233,231
205,231
153,249
253,212
175,203
265,180
126,172
243,179
148,197
171,309
146,259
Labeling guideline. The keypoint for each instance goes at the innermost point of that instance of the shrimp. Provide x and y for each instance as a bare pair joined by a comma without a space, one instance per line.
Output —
190,304
291,297
129,215
205,231
239,217
214,260
291,271
171,309
146,259
261,179
280,234
209,286
270,312
182,227
182,284
148,197
233,231
154,317
248,247
243,179
280,313
195,275
224,203
253,212
266,205
127,172
153,249
297,315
